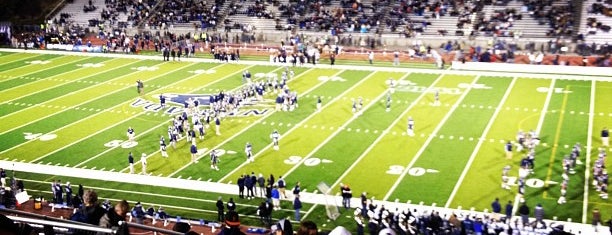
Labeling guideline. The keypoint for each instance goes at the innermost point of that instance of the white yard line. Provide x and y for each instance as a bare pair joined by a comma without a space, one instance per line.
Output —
339,129
383,133
67,94
25,58
551,89
288,131
45,69
479,144
47,79
429,139
86,118
117,124
64,83
244,129
589,148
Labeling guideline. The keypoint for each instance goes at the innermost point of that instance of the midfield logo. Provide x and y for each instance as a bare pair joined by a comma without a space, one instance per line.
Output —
175,105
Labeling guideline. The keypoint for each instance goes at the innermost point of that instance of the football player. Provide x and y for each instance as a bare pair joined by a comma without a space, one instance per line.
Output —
194,153
505,178
214,159
275,136
131,134
248,150
410,130
162,146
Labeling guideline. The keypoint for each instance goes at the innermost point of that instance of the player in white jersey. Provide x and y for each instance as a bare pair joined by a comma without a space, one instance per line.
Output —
275,136
248,150
436,98
391,84
162,146
505,178
410,130
131,134
143,161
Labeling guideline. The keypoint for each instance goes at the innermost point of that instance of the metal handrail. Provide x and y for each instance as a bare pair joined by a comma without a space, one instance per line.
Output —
150,228
65,224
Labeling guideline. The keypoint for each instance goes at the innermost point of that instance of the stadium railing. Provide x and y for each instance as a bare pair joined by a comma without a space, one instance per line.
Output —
61,226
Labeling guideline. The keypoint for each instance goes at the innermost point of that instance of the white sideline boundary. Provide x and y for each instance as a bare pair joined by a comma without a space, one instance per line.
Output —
221,188
482,67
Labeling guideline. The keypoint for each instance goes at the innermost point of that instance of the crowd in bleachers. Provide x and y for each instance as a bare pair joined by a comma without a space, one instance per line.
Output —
205,13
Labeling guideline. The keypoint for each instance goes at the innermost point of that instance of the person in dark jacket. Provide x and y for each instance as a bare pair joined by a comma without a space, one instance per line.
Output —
249,184
524,212
91,208
112,217
297,206
231,206
220,209
241,186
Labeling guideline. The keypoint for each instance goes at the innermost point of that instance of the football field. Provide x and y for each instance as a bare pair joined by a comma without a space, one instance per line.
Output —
72,111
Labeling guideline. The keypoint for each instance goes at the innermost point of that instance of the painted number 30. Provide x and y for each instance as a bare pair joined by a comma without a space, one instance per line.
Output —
123,144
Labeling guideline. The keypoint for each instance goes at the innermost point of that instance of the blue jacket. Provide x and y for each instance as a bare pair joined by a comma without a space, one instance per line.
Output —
297,204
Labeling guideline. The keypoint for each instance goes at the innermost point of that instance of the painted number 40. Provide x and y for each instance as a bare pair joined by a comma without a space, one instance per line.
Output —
123,144
40,136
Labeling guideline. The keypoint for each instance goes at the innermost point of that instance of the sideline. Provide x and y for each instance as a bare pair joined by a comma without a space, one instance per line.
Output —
475,69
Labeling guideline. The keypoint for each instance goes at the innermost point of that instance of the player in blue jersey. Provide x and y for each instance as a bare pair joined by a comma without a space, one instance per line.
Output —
275,136
248,150
198,126
131,134
410,130
279,102
388,104
319,103
162,101
191,135
214,159
194,153
508,150
162,146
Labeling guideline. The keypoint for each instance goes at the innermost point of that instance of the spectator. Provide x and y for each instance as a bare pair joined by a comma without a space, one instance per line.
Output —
138,213
240,183
539,213
297,206
307,228
90,212
496,207
112,217
296,189
509,208
524,212
261,181
220,210
231,206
